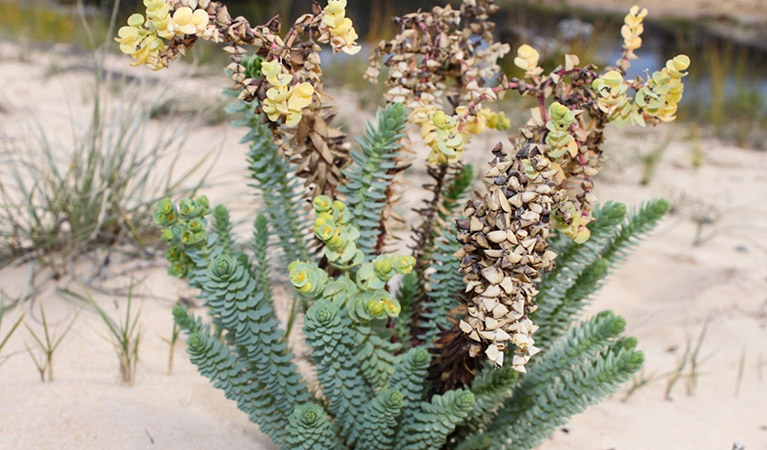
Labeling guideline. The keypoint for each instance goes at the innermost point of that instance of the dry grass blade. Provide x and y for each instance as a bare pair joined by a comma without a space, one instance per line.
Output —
639,382
695,361
4,340
125,334
48,344
652,159
174,335
690,358
741,367
676,374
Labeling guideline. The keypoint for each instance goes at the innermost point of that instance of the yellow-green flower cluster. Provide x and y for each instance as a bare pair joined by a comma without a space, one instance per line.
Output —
373,301
192,209
614,101
497,120
447,136
632,29
577,230
143,37
158,15
362,305
342,35
362,292
484,118
185,224
184,227
448,142
143,46
188,22
307,278
166,213
195,232
421,115
376,304
560,140
180,262
663,91
375,274
527,60
283,99
332,227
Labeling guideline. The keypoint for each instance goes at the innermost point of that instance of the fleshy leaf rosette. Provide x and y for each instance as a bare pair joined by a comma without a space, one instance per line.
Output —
230,278
310,428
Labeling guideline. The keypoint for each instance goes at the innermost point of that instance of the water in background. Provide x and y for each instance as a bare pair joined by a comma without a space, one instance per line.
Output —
725,74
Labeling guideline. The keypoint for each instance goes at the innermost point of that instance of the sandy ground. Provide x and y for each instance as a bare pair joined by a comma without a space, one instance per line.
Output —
667,290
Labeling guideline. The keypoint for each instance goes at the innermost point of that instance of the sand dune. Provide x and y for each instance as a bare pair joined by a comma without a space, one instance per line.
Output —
667,290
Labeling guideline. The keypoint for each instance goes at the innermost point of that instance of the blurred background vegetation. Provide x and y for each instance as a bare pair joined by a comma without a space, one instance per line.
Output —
726,90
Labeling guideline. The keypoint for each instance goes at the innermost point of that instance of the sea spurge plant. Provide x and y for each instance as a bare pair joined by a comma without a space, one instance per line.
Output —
498,271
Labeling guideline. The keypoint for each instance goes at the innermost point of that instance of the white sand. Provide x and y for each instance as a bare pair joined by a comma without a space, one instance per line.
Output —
667,290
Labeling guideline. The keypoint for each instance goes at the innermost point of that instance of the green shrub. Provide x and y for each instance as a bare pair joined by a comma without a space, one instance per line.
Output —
422,368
